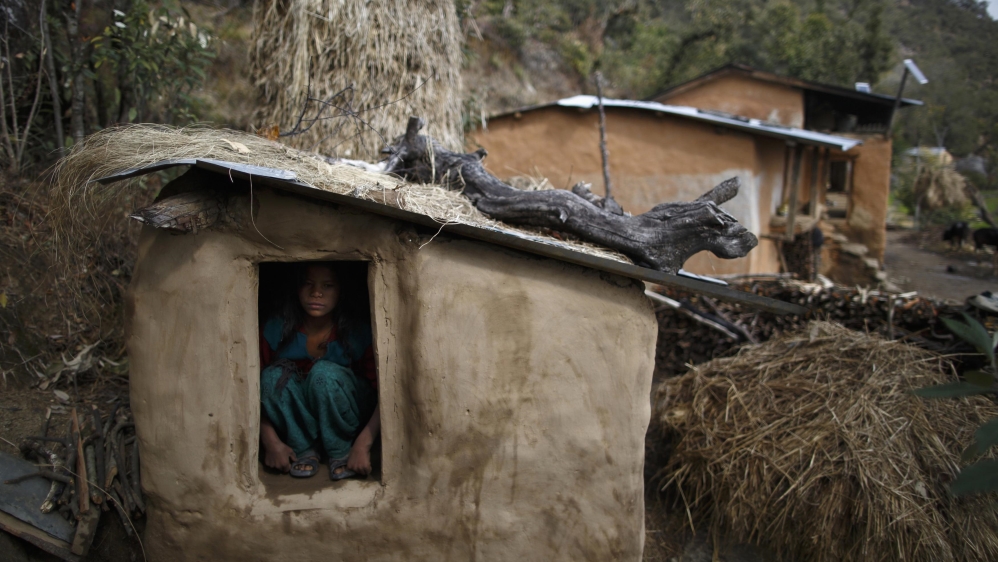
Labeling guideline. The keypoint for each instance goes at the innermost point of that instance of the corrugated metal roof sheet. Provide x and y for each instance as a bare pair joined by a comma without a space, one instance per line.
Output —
717,118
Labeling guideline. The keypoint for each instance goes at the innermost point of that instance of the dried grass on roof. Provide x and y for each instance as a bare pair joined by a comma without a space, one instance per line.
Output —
83,209
813,446
401,57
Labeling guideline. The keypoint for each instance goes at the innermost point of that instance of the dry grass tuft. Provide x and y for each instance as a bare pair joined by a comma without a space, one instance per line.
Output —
812,445
83,210
941,187
325,46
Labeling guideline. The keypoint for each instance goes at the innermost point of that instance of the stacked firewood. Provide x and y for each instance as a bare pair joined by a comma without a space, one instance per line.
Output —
93,467
685,339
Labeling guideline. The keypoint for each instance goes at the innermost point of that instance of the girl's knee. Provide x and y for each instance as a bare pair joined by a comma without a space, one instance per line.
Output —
328,376
268,381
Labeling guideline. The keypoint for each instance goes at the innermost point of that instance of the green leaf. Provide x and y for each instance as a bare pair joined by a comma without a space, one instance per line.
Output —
978,478
980,378
132,114
984,438
973,333
950,390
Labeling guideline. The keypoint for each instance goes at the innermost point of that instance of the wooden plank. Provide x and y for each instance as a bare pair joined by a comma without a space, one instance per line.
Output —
39,538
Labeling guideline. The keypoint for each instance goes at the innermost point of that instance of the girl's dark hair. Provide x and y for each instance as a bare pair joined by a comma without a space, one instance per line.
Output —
352,309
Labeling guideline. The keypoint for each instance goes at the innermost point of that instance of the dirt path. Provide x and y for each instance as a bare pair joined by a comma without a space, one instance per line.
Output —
919,263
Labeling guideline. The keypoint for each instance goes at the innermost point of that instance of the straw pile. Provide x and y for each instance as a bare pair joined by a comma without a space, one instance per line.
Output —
941,187
401,57
83,209
811,445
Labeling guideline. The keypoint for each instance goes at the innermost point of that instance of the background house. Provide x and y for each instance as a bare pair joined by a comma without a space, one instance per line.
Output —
855,184
664,153
771,131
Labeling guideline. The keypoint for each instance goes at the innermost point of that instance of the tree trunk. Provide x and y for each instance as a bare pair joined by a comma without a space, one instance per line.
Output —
663,238
78,103
60,138
99,99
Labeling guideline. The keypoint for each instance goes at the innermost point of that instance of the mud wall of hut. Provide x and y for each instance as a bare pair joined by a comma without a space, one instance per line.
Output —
514,397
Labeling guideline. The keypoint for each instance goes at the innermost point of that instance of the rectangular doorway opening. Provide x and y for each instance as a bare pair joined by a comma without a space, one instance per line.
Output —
318,379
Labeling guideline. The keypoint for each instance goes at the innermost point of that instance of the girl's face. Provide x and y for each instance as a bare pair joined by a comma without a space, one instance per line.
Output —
320,292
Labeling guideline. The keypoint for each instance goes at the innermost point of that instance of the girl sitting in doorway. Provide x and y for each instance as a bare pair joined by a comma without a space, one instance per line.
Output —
318,386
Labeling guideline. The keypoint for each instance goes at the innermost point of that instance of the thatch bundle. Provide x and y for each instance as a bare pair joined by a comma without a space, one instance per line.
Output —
940,187
401,58
86,209
813,446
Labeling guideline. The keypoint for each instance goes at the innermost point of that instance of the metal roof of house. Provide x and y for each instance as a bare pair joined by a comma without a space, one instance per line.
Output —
285,180
753,126
880,99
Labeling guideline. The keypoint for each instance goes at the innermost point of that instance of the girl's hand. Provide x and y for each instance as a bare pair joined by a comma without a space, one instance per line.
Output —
359,460
279,456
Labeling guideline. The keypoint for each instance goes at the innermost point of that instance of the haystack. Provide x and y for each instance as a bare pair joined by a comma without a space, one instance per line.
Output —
84,209
812,445
394,59
941,187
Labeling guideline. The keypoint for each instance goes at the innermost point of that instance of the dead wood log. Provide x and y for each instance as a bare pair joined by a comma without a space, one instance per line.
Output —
663,238
191,211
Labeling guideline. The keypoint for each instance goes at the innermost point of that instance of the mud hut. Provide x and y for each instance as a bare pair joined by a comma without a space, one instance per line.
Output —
515,369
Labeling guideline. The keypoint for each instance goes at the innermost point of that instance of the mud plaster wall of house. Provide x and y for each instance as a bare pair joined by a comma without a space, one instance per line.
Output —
871,181
745,96
653,159
750,97
514,393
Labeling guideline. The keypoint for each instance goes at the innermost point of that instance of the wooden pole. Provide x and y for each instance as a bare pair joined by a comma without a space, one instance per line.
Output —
82,488
60,141
604,152
798,155
813,191
897,104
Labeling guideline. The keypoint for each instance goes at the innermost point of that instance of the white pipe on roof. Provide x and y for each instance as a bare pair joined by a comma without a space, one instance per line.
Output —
743,123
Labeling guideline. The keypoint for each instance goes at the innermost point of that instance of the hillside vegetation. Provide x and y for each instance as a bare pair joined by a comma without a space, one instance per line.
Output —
528,51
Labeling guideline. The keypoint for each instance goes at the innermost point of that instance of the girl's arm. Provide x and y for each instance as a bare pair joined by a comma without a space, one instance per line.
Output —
360,453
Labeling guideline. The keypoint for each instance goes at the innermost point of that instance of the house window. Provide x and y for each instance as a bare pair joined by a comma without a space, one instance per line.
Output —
839,188
318,380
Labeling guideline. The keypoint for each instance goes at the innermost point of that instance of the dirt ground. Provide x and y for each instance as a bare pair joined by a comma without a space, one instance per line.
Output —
918,261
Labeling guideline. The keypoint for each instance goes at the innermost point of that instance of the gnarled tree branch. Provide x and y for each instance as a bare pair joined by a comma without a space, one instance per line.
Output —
663,238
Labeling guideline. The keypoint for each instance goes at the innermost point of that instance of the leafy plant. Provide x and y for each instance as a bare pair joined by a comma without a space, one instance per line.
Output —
981,476
159,60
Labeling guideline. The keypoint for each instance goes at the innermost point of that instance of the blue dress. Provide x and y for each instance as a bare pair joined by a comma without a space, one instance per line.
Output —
317,404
